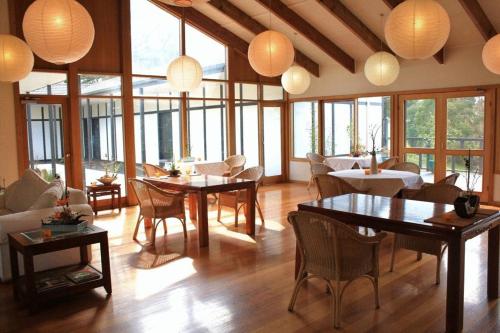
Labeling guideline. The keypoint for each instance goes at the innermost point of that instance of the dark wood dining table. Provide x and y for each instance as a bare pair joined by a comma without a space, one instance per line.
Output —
198,187
408,217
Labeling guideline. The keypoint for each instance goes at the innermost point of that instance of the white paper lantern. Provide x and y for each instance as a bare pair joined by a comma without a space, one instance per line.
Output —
491,54
16,59
270,53
417,29
185,73
295,80
58,31
382,68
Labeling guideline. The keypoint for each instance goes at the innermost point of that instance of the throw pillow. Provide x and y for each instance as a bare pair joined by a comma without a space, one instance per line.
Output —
26,191
48,199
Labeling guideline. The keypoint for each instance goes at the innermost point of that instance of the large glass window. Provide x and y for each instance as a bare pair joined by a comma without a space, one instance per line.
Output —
374,114
420,123
210,53
338,122
207,129
155,38
44,83
247,122
305,128
465,125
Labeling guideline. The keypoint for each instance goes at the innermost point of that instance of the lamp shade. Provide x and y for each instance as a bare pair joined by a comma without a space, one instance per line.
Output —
382,68
16,59
417,29
270,53
491,54
58,31
185,73
295,80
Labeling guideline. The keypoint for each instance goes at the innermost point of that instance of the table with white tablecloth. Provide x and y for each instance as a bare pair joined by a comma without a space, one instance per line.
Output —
386,182
347,162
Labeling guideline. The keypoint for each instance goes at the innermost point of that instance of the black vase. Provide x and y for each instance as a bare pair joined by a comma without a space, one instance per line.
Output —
466,206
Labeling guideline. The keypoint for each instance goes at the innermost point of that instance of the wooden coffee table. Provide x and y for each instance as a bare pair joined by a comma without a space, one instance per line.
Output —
96,191
32,243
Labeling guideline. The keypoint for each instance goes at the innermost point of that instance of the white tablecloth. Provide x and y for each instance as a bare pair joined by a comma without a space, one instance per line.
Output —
386,183
347,162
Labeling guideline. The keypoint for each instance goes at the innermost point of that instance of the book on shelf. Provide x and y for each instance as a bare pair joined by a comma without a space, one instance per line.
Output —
83,275
52,282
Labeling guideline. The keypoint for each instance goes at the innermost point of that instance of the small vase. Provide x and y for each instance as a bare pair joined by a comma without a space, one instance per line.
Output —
466,206
374,165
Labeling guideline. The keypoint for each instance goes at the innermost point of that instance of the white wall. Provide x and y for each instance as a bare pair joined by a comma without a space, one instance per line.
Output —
8,145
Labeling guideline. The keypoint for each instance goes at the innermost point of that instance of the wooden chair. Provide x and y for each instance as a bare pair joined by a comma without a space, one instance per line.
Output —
330,186
334,252
157,205
313,159
151,170
237,199
440,193
406,166
235,164
388,163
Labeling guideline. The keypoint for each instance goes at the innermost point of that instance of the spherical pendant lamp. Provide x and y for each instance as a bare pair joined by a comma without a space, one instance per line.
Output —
417,29
185,73
270,53
58,31
491,54
16,59
295,80
382,68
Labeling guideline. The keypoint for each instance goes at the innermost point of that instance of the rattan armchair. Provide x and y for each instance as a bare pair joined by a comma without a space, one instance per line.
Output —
237,199
388,163
235,164
158,205
320,169
151,170
332,251
440,193
406,166
314,159
331,186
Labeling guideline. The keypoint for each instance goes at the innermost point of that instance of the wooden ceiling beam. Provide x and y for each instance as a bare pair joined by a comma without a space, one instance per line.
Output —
439,56
307,30
353,23
479,18
255,27
207,25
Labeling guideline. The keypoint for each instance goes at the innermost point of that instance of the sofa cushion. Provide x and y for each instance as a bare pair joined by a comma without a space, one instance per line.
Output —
25,192
48,198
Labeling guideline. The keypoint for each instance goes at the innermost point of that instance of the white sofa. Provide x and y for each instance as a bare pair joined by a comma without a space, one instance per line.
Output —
22,206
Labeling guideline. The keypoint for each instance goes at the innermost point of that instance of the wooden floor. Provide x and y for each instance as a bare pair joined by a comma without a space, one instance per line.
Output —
242,284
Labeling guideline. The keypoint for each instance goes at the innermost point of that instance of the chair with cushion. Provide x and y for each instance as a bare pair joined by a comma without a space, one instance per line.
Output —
151,170
235,164
332,251
23,205
388,163
314,159
330,186
406,166
440,193
237,199
158,205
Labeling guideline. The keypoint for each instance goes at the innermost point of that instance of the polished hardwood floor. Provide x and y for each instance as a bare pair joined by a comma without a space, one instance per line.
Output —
242,284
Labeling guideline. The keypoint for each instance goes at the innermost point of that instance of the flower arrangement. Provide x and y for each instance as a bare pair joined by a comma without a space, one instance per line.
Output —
468,203
174,168
110,173
470,183
66,216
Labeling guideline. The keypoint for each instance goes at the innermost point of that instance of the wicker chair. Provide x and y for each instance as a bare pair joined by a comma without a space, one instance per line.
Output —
235,164
151,170
330,186
450,179
320,169
157,205
332,251
313,159
237,199
388,163
406,166
440,193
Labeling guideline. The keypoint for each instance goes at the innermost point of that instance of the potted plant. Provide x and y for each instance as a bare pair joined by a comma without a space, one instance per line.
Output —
110,173
467,203
174,170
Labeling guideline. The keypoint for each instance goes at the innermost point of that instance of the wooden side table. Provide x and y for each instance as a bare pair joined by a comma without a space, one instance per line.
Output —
29,244
96,191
